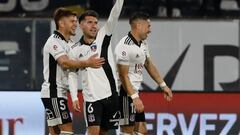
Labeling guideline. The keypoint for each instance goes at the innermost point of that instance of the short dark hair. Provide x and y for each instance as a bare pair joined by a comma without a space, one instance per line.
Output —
60,13
88,13
138,16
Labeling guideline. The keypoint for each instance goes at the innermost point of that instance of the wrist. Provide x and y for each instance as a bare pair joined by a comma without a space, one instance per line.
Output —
87,63
135,95
162,85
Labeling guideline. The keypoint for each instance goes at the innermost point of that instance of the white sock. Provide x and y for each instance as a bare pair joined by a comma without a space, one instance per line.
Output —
66,133
137,133
122,133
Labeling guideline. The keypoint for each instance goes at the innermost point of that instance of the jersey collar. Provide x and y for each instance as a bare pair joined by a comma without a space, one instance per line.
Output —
134,40
83,42
60,35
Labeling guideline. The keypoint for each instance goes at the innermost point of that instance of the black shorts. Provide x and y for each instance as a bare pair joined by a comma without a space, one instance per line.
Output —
57,111
128,113
104,113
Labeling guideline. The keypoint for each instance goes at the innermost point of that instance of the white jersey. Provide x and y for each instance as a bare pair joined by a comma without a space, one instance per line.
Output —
55,78
129,52
98,83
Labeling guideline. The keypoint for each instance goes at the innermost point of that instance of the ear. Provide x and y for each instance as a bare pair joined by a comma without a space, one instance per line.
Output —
80,25
61,23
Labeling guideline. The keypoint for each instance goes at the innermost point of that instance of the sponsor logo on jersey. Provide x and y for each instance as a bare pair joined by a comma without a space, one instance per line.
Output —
80,55
124,53
137,56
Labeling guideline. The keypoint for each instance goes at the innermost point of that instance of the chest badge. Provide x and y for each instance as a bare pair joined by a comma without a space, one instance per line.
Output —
93,47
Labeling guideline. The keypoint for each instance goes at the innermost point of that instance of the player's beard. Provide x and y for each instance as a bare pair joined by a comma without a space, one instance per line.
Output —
90,35
72,32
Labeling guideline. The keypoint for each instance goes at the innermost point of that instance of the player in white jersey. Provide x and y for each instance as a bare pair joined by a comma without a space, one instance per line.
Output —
56,62
132,55
99,85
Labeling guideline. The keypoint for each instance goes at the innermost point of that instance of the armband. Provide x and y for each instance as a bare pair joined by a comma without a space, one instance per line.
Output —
135,95
162,85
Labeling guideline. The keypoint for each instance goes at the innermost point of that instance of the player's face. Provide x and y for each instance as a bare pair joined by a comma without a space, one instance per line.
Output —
89,26
70,25
144,28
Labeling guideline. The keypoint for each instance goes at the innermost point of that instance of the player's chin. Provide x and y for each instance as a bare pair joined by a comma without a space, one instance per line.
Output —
73,33
93,35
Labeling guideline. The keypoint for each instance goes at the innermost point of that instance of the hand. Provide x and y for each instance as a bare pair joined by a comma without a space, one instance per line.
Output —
95,62
167,93
76,106
137,102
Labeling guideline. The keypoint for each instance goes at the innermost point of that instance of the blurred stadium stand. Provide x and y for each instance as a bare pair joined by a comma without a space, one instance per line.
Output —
156,8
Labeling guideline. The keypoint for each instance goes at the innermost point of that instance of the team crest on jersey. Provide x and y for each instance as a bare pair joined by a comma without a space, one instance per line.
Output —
93,47
91,118
132,117
55,47
65,115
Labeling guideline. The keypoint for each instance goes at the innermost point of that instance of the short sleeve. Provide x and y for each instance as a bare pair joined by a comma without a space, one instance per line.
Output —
56,49
122,54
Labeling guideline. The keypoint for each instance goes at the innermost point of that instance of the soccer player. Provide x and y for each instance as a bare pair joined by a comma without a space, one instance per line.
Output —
100,95
132,55
56,63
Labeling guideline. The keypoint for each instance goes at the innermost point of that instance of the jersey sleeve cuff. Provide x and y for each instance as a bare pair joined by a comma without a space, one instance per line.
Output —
58,55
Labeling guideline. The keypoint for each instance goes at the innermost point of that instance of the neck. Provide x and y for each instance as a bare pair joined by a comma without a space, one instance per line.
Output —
88,40
65,35
136,36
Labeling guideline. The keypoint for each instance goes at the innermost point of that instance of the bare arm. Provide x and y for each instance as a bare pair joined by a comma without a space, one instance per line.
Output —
152,71
123,74
155,75
67,63
73,87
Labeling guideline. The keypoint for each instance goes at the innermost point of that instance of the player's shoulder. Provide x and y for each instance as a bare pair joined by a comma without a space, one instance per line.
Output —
51,41
53,38
126,41
56,37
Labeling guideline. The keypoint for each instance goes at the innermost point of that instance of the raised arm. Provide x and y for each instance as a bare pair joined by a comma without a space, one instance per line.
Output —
113,17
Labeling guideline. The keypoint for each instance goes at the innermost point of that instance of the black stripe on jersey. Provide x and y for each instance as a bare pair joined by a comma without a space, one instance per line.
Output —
52,76
59,35
106,66
134,40
127,40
